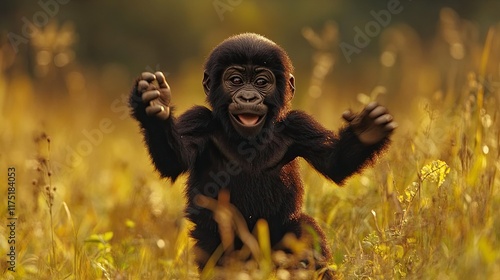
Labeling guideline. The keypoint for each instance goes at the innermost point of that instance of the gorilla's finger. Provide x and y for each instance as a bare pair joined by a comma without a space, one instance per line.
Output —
164,113
162,82
391,126
153,110
148,76
384,119
372,105
142,85
377,112
150,95
348,116
369,108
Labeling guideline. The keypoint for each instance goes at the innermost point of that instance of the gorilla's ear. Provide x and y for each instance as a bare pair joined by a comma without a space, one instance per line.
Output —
206,82
291,83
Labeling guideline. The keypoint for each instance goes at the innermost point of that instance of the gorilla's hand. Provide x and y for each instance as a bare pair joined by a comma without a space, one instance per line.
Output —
155,94
372,125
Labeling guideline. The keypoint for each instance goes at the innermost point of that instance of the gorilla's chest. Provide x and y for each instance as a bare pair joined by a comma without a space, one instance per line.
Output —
259,155
257,177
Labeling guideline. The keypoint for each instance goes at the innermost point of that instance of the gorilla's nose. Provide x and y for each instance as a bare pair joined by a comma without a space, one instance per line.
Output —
248,97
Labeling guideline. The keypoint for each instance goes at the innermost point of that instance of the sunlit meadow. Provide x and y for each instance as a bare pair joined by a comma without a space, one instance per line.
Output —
90,206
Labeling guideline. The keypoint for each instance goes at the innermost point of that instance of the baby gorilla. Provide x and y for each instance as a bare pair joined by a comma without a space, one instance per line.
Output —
245,148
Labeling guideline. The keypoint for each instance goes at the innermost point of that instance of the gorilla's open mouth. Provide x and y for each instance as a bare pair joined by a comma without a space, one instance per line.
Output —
248,120
247,116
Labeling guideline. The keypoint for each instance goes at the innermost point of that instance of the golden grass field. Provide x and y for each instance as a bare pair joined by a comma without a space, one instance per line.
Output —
90,206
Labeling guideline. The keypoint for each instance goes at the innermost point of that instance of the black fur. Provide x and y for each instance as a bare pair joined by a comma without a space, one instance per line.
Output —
261,173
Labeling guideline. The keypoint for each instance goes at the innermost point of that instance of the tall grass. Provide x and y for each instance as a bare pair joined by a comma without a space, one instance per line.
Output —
426,210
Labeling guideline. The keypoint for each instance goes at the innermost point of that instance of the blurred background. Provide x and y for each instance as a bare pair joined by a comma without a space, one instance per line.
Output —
86,48
67,67
90,52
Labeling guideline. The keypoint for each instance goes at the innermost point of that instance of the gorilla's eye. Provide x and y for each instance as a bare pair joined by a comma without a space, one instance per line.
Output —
235,80
261,82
